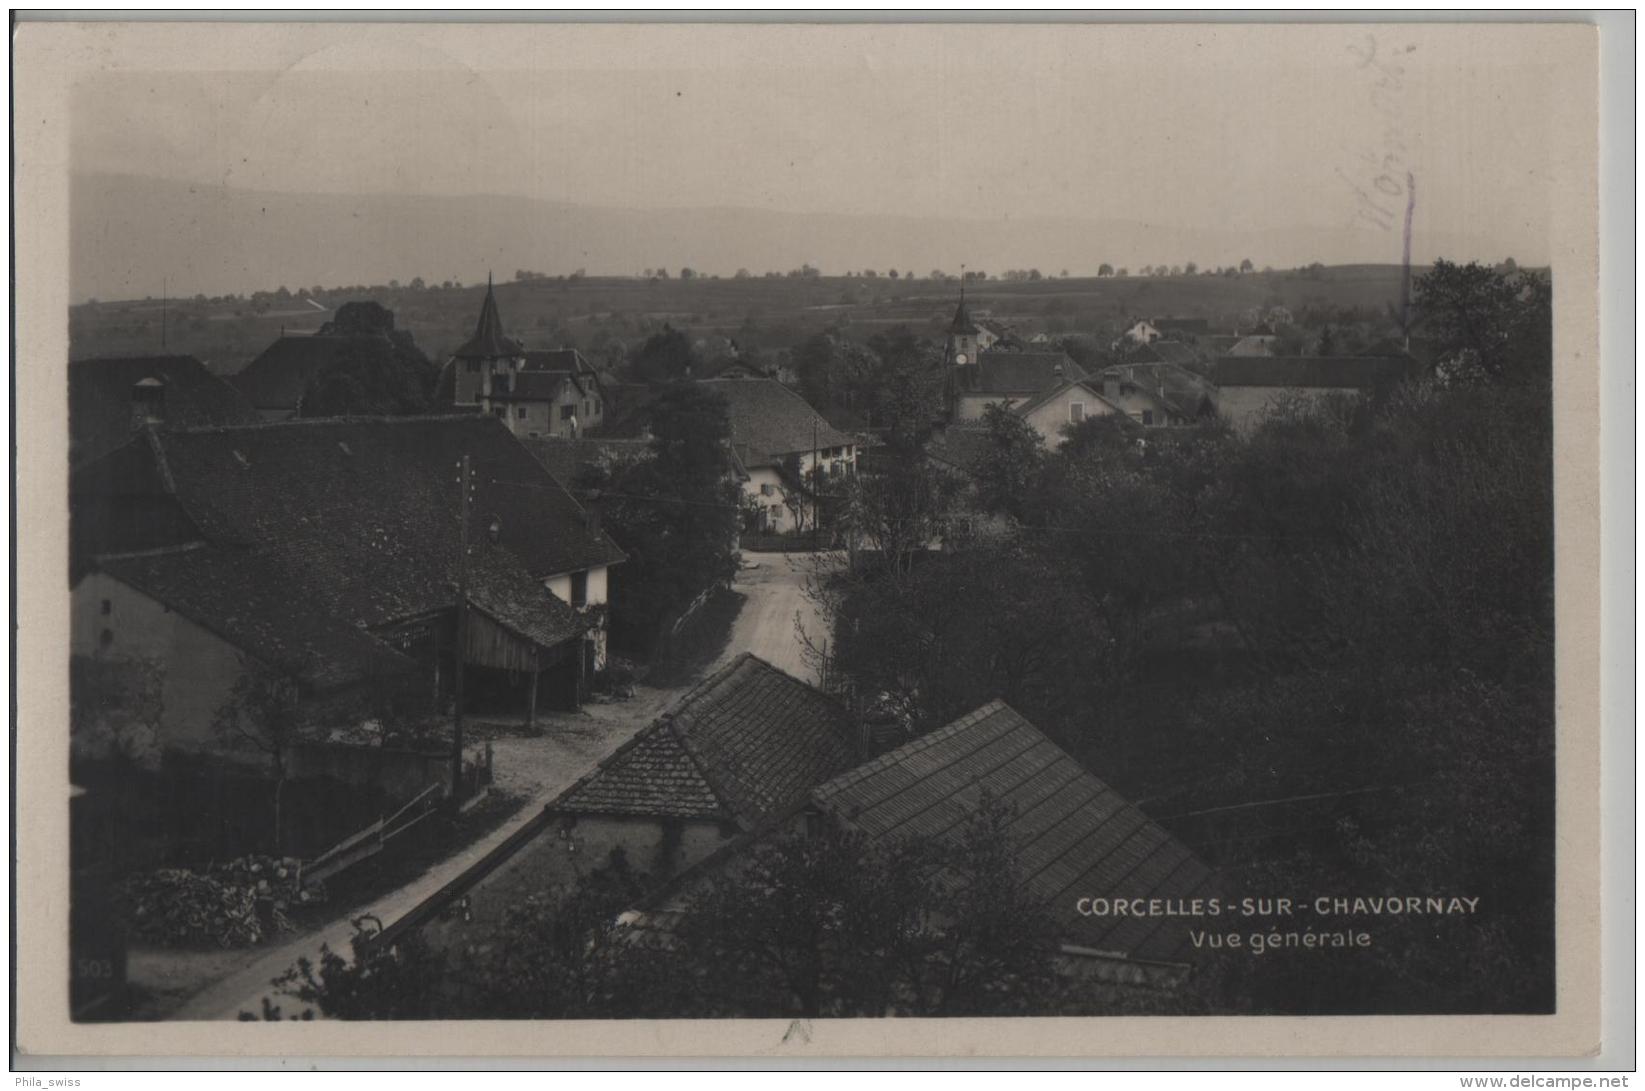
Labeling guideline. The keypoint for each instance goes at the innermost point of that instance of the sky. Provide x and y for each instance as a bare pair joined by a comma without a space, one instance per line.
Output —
1243,129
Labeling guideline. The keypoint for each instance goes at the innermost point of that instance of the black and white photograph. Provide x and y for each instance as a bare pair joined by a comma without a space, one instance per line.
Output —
601,523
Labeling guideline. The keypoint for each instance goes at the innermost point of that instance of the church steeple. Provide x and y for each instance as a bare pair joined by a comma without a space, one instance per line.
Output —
962,332
489,340
486,362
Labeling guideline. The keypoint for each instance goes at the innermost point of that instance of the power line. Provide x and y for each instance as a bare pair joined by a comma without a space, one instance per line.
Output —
1287,799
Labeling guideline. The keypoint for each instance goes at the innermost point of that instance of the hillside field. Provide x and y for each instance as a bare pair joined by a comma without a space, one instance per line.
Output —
768,312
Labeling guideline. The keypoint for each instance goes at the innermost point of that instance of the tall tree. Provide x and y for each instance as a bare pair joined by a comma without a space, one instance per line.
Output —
675,512
663,357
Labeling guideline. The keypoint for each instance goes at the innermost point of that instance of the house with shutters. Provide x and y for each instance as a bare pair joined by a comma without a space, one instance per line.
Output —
774,431
536,393
328,552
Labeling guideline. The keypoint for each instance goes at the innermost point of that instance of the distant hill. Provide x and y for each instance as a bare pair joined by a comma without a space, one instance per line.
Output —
129,232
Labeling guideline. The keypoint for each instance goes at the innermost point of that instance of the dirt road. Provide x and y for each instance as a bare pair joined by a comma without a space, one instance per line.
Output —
775,586
541,767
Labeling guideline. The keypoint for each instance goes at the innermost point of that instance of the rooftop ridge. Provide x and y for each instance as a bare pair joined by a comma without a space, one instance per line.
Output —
831,788
320,422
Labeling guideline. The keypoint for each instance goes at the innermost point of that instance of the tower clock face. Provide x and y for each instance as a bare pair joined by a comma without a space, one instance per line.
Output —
961,358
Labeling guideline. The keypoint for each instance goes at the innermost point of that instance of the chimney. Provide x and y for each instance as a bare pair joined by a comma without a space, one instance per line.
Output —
148,402
591,518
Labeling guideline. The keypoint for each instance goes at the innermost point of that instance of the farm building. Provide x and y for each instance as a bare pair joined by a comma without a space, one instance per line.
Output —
113,398
327,551
1079,845
736,754
774,431
1250,387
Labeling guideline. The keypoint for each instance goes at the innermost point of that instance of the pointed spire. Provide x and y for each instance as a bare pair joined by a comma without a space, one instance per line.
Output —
962,316
489,340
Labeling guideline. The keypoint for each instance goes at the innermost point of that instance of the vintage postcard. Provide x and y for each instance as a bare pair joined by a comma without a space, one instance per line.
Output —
807,540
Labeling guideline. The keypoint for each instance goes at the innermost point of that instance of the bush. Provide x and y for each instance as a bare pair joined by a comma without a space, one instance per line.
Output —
175,907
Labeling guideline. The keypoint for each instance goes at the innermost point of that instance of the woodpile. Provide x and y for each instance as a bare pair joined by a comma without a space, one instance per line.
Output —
236,904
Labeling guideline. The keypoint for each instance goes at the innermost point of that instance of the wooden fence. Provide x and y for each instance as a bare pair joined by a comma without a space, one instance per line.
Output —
368,842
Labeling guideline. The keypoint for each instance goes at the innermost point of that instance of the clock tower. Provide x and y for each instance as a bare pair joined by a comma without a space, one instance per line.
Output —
962,335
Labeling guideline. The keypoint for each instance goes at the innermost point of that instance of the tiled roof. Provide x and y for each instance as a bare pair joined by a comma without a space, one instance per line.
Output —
557,360
100,391
745,745
1182,325
1174,352
246,597
1075,836
962,446
489,340
568,460
1311,372
1178,389
362,513
1256,344
650,775
1091,387
768,421
1023,372
277,378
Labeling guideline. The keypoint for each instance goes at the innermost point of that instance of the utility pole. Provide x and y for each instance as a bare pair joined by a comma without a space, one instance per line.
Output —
465,486
816,486
163,312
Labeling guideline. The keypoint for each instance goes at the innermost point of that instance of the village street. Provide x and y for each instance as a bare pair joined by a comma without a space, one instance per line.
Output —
537,769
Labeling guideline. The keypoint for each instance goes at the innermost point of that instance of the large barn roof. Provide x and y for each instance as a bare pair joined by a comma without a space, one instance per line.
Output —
1311,372
361,514
246,597
1022,372
768,421
1075,835
100,399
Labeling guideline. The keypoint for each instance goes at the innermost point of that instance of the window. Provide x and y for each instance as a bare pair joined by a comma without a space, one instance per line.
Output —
587,412
596,407
1148,416
766,490
106,638
108,607
473,366
579,588
520,412
567,412
776,512
1076,412
500,411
